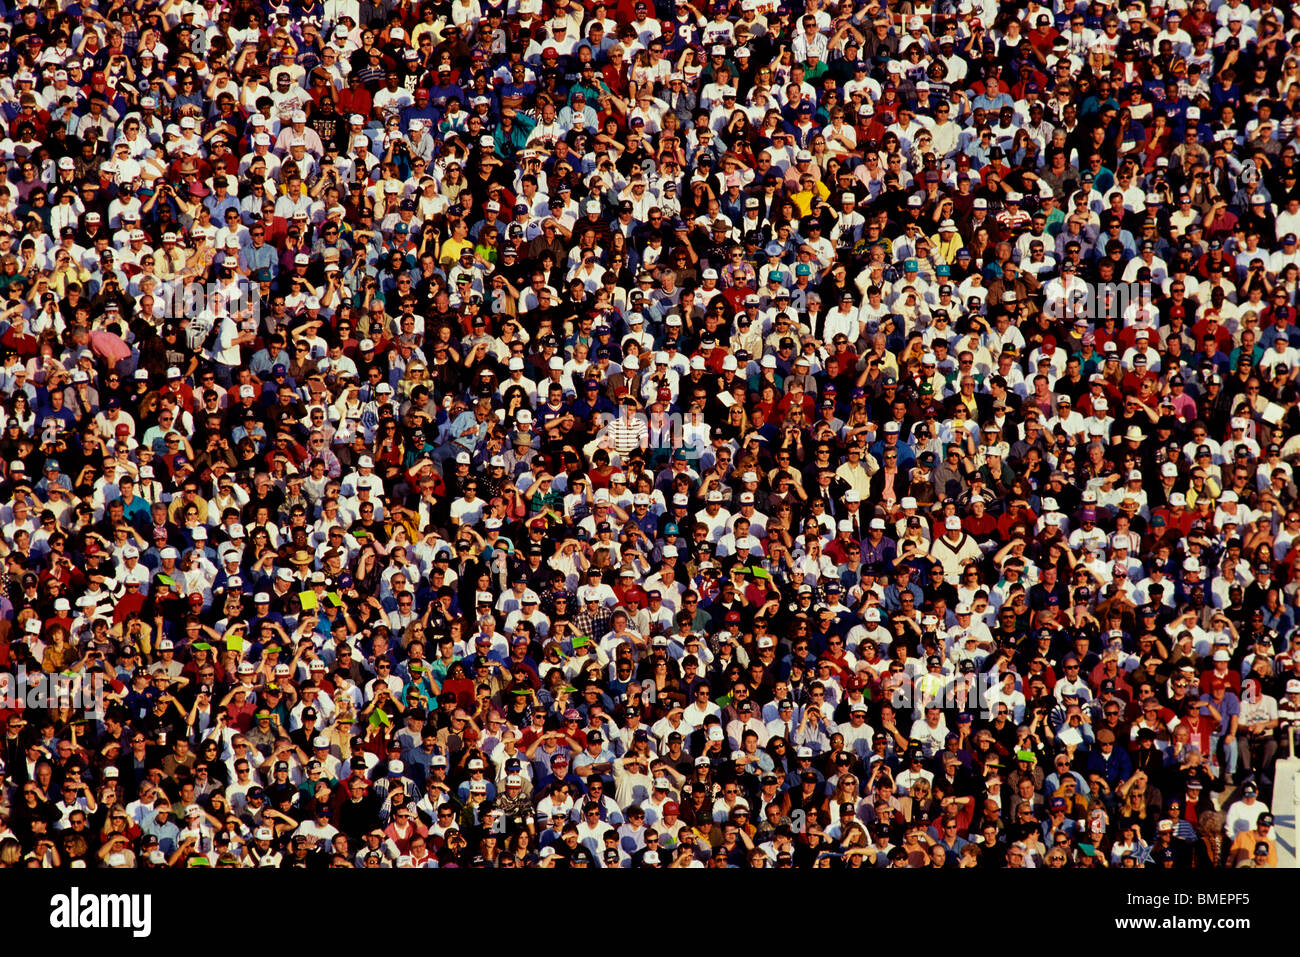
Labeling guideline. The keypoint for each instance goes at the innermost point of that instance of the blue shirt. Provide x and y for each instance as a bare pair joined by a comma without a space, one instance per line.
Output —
217,207
906,457
254,258
463,422
883,551
166,831
992,104
892,593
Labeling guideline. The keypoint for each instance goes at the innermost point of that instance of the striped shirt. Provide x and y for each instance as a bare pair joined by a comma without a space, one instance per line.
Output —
628,433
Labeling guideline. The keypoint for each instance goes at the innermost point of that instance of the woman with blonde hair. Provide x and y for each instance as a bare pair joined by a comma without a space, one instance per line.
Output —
1135,811
737,424
1208,850
856,422
846,792
919,806
760,95
416,374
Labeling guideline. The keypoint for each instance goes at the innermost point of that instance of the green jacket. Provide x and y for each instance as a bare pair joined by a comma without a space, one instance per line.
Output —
507,143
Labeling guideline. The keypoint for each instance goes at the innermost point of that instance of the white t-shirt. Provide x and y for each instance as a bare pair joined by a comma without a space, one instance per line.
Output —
227,353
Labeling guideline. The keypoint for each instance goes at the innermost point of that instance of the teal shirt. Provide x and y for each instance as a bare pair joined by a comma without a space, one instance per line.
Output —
509,143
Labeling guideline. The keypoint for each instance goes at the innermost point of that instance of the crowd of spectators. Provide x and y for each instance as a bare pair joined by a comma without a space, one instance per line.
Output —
651,433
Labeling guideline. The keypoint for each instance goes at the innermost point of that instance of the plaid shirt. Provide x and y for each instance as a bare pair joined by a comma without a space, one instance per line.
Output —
594,626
